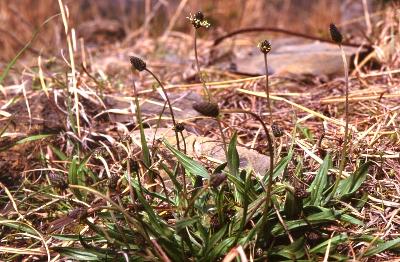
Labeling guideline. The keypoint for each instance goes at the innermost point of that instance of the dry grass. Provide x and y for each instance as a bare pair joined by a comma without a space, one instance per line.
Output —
24,16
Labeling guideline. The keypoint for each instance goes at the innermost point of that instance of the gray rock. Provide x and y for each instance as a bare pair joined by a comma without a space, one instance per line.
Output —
315,58
199,147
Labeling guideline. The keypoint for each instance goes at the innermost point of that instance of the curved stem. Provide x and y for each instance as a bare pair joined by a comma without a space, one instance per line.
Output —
279,30
176,132
270,149
169,105
271,168
158,125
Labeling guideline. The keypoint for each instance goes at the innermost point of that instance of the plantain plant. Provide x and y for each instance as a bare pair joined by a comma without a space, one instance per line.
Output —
207,107
338,39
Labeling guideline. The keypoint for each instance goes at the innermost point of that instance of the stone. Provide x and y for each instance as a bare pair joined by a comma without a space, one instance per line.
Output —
293,57
200,148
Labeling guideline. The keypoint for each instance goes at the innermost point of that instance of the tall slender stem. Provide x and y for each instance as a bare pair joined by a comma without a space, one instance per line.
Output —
267,87
176,132
346,128
198,67
169,105
208,92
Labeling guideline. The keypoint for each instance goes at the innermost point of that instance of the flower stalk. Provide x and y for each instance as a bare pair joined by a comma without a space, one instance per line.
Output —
140,65
265,48
208,108
338,39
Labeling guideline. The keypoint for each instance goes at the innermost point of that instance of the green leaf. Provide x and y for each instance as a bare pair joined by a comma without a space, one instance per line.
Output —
24,140
18,225
83,254
177,185
240,187
220,249
352,183
189,164
321,248
294,251
306,132
243,215
107,233
73,237
320,182
32,138
293,205
145,148
314,219
349,219
282,164
279,167
215,238
395,243
73,177
143,141
156,224
59,153
233,156
186,222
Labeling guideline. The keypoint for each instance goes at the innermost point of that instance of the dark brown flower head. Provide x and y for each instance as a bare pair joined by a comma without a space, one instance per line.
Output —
259,252
134,166
113,182
276,130
207,108
179,127
265,46
335,34
217,179
58,181
78,213
199,15
300,193
137,63
214,222
198,20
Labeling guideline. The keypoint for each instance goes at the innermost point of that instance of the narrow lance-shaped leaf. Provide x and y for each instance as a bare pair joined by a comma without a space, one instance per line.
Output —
351,184
320,182
321,248
189,164
395,243
73,176
233,156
